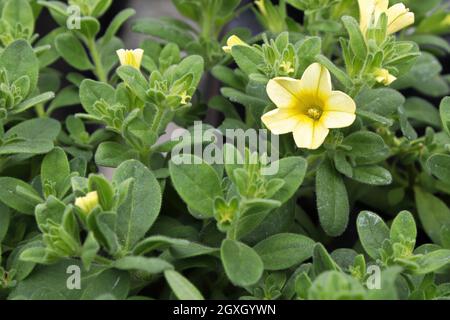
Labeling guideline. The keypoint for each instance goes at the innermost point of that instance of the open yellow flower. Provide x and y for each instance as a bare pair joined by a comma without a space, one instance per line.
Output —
88,202
399,17
131,58
308,107
233,41
383,76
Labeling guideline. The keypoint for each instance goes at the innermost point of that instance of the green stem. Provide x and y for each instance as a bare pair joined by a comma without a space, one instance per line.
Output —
103,260
40,111
99,71
157,120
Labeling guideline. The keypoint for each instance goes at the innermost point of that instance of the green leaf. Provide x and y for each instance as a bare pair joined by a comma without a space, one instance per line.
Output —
5,218
193,249
336,71
27,104
92,91
383,101
18,59
292,170
367,147
433,213
73,52
157,243
196,182
19,12
422,111
433,261
89,27
55,169
439,165
372,175
89,250
148,265
334,285
141,207
50,283
182,287
104,190
357,42
37,146
68,96
247,58
444,110
322,260
372,232
332,200
112,154
53,209
284,250
166,31
375,117
134,80
242,264
10,196
403,230
116,23
35,130
253,213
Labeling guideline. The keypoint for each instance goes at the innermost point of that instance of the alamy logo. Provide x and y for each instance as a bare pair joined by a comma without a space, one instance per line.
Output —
74,18
74,280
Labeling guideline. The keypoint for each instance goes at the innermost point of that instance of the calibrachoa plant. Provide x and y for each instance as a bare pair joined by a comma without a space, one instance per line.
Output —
352,99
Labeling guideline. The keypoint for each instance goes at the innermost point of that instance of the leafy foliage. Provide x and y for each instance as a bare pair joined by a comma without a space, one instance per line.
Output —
200,229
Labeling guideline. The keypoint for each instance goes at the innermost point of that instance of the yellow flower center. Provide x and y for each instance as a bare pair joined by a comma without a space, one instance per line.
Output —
314,113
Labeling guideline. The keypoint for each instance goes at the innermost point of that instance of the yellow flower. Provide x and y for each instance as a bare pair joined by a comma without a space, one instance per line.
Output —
308,107
399,17
383,76
88,202
233,41
131,58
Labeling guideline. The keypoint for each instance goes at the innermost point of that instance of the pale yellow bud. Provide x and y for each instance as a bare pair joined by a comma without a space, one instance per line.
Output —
233,41
383,76
370,11
399,17
88,202
131,58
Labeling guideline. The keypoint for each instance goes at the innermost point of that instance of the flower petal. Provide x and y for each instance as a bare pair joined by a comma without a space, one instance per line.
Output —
281,120
283,91
310,134
336,119
399,17
341,102
138,55
381,6
316,79
366,8
121,54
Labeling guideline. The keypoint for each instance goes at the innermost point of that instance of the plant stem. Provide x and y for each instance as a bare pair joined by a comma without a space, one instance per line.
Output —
102,260
99,71
40,111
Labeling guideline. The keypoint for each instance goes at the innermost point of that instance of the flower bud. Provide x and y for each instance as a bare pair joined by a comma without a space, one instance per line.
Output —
88,202
383,76
233,41
131,58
